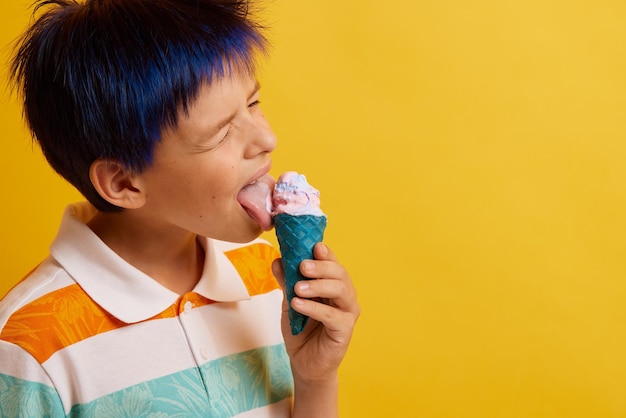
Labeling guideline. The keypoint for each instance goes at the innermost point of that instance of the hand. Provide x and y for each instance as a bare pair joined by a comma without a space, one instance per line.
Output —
331,304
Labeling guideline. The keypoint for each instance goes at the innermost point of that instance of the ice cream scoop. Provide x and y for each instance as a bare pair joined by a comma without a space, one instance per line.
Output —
299,224
293,195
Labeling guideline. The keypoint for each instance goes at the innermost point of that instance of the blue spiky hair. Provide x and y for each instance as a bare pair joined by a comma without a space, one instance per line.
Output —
103,78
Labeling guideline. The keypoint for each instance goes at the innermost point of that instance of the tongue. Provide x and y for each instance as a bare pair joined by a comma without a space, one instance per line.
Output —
256,198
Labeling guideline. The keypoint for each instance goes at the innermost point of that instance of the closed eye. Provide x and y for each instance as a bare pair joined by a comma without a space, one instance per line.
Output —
214,142
223,137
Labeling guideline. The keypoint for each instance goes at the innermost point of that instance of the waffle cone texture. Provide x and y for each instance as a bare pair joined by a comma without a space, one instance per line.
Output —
297,235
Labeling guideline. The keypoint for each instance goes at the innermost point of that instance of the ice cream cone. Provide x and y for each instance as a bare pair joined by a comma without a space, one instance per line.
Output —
297,235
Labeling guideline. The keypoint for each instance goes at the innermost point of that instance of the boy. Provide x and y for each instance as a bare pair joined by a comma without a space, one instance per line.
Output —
157,298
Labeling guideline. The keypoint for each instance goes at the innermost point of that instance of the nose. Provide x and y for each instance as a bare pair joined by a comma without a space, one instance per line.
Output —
261,137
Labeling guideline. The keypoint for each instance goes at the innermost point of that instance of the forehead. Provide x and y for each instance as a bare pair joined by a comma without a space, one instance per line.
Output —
221,92
214,103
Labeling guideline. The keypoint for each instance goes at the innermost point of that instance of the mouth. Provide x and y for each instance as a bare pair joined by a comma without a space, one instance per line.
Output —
256,199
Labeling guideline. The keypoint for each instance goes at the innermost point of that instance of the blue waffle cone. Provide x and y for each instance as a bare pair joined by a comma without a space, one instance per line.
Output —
297,235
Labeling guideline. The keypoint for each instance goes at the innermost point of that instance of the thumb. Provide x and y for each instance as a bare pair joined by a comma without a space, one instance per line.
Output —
277,270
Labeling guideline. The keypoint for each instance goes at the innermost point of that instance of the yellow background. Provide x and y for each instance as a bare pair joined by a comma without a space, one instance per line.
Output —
471,157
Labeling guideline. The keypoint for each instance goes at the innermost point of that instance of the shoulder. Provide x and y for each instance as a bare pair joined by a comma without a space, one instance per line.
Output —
40,312
42,282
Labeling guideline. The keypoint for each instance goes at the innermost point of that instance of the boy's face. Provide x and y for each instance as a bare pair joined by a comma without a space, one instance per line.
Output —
201,165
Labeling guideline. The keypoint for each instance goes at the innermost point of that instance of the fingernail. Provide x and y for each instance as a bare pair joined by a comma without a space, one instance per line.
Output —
308,265
303,286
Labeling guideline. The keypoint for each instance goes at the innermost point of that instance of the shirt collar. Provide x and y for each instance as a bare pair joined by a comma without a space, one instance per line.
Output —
121,289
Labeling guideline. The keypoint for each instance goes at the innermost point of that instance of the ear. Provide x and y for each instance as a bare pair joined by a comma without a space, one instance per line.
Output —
116,184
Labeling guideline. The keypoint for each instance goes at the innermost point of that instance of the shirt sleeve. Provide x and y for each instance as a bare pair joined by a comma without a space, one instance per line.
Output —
25,388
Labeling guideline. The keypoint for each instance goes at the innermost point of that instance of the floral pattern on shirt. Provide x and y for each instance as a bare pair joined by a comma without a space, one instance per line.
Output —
22,399
234,384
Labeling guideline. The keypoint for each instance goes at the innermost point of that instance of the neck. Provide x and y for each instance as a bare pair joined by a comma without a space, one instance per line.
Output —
171,257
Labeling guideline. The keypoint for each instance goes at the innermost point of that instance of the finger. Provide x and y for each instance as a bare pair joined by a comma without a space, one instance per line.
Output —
334,293
336,321
342,294
333,283
322,269
322,252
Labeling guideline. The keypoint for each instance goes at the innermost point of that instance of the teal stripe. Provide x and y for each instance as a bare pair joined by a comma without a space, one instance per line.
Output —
21,398
235,384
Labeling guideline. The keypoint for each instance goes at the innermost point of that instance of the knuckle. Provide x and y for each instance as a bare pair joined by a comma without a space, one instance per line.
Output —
329,313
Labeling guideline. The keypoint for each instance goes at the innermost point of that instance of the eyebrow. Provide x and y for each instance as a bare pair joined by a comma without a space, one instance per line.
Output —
227,119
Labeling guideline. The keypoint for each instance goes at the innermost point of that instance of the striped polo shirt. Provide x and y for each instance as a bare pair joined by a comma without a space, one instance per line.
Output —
87,334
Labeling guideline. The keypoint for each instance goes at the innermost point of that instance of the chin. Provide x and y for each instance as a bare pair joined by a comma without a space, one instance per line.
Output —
244,236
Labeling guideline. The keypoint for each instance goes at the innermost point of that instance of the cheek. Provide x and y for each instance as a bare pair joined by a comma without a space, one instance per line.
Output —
217,184
201,180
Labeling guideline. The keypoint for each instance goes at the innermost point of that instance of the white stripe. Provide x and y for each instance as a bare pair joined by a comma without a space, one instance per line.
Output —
221,329
16,362
118,359
280,409
46,278
140,352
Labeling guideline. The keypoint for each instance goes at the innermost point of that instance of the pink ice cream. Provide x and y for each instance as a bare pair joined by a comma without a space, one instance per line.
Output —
293,195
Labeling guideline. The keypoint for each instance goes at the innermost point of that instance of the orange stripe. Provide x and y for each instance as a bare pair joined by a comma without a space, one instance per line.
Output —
254,264
67,316
57,320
